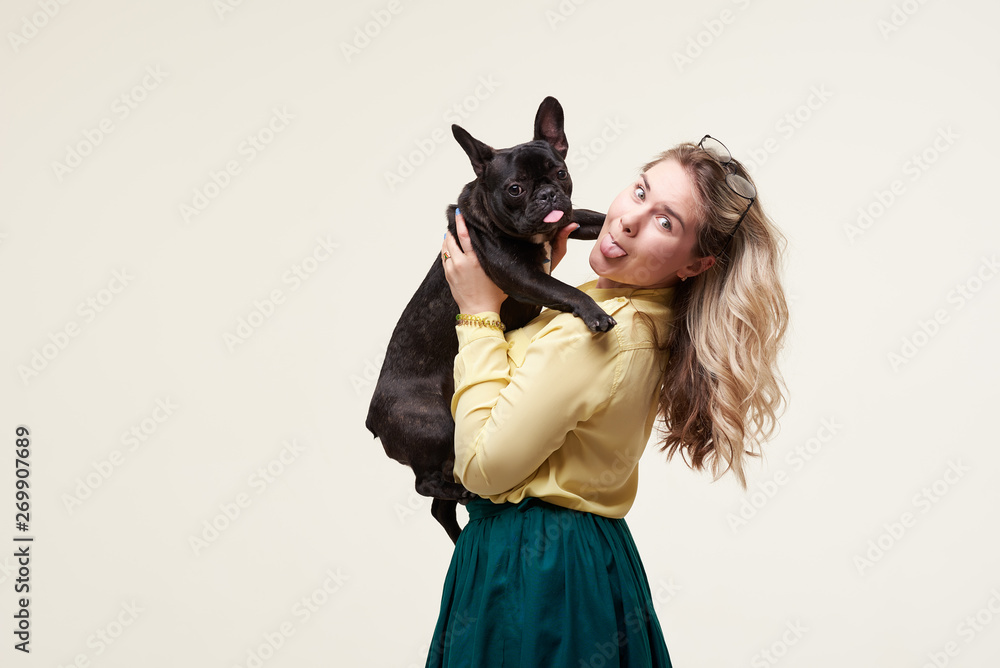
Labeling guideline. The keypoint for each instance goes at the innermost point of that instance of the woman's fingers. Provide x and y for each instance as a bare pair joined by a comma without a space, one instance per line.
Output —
463,236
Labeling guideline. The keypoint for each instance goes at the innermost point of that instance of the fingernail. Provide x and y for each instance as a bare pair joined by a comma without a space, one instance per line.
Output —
458,212
445,235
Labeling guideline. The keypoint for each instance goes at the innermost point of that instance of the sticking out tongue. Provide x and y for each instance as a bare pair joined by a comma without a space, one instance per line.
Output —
610,248
553,216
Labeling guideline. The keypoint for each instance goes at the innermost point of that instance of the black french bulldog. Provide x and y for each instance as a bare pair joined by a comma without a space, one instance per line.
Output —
511,213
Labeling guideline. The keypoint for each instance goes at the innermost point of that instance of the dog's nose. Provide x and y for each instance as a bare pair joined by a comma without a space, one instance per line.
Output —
546,194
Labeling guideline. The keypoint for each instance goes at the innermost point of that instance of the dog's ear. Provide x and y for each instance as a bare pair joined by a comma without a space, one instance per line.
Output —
478,152
549,125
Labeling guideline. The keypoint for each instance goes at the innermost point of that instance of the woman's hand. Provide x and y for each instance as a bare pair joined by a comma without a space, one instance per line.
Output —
470,286
559,245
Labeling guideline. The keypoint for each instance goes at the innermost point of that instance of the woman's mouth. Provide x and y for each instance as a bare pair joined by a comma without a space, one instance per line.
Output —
610,249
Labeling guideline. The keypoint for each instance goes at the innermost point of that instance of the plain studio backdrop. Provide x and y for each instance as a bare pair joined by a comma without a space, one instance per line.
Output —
213,213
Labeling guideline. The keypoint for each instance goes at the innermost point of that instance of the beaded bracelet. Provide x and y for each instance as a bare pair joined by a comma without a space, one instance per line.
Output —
466,319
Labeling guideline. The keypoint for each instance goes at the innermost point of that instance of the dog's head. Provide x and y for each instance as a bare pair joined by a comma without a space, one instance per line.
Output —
524,190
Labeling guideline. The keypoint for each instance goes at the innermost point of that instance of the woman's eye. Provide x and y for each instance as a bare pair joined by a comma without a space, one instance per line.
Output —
639,192
664,222
514,190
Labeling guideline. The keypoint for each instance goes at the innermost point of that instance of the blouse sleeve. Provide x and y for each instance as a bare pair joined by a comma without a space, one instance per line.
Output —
507,424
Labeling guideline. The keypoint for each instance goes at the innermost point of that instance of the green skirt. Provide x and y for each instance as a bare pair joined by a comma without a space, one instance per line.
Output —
536,585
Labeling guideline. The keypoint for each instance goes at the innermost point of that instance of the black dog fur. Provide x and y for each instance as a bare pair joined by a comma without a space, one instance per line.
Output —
504,208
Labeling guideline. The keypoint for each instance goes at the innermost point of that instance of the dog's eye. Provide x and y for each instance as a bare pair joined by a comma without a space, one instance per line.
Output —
561,174
515,190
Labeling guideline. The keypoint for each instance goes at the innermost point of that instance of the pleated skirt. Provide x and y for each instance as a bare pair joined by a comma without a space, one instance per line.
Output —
536,585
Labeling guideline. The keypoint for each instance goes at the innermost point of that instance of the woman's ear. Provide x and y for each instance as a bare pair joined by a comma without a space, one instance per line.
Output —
700,265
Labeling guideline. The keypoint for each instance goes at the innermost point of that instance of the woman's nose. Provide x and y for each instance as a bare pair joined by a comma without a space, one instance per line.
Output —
629,223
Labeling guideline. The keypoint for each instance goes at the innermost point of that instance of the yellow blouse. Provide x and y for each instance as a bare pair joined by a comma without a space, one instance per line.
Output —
555,411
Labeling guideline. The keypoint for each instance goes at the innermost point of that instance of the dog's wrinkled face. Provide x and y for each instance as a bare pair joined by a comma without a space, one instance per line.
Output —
527,190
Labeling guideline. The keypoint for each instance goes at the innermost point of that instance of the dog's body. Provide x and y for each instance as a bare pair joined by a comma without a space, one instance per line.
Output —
505,210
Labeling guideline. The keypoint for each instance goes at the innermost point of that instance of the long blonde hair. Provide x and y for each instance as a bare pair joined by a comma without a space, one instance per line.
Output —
721,388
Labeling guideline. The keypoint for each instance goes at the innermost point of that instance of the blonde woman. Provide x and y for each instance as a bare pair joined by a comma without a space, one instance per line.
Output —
551,419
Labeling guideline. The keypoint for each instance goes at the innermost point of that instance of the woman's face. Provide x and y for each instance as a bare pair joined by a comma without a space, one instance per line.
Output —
649,233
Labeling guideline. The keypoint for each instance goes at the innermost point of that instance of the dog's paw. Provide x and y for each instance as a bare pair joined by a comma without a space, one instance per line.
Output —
598,321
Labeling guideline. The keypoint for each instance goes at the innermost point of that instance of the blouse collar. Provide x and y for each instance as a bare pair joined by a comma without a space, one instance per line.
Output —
660,295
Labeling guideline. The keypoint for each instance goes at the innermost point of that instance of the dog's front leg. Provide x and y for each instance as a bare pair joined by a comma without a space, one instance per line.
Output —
590,223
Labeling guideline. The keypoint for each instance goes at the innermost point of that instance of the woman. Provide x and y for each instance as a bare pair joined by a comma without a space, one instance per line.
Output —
551,419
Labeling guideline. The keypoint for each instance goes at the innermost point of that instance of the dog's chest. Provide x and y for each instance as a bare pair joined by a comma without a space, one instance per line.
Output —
540,239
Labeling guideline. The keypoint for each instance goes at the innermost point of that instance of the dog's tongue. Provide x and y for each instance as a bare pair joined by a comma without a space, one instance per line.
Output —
553,216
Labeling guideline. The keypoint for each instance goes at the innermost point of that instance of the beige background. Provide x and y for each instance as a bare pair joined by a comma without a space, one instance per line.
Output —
827,103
